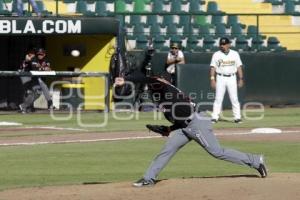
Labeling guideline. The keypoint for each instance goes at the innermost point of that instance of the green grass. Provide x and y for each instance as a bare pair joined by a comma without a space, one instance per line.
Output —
60,164
136,121
41,165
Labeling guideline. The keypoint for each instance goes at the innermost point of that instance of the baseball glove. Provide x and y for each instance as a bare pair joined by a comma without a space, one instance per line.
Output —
160,129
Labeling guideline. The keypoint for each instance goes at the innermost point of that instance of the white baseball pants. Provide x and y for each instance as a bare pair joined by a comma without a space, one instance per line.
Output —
229,83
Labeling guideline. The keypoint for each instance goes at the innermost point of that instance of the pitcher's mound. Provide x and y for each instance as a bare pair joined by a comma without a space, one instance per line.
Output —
275,187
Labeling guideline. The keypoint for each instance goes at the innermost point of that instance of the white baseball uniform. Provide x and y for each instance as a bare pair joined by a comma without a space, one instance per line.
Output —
226,66
171,68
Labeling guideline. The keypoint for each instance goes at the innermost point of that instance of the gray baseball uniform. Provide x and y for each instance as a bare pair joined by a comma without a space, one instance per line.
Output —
199,129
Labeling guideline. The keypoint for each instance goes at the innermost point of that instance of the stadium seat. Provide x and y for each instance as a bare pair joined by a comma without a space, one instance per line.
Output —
81,7
3,11
236,30
258,45
159,43
241,44
172,29
274,44
216,19
135,19
101,9
289,7
141,42
200,20
140,6
176,6
232,20
158,6
252,32
195,6
155,29
168,19
204,31
184,19
152,19
212,8
192,42
121,5
220,30
209,44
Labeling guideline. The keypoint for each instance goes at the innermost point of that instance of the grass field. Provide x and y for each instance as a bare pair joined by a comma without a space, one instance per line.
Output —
59,164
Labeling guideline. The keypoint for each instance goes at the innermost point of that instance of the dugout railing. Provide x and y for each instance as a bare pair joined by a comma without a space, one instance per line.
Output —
59,74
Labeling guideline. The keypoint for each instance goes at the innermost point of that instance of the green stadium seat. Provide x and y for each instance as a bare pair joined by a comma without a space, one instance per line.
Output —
195,6
141,42
252,32
220,30
139,6
159,43
257,45
232,20
216,19
138,29
121,5
209,44
184,19
274,2
135,19
236,30
152,19
204,31
200,20
241,44
192,42
81,7
69,1
168,19
155,29
158,6
274,44
176,39
3,10
289,7
101,9
172,29
212,8
176,6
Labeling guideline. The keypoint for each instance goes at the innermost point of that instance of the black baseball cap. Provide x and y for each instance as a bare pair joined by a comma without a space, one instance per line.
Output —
224,40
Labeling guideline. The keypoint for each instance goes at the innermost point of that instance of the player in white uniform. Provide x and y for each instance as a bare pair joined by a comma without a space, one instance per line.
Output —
225,64
175,56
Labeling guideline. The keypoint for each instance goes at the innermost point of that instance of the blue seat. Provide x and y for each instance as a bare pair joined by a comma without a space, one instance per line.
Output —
152,19
101,10
212,8
172,29
216,19
204,31
252,32
209,44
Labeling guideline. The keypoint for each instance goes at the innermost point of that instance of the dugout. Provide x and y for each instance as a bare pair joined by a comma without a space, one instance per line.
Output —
93,37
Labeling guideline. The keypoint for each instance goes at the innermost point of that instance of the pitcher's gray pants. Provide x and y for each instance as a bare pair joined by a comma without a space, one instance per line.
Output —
199,130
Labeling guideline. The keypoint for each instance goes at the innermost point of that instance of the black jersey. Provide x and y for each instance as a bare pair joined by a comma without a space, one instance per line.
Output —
176,106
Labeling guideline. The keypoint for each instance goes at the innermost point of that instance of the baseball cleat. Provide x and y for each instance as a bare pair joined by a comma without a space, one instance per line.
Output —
214,121
262,168
142,183
238,121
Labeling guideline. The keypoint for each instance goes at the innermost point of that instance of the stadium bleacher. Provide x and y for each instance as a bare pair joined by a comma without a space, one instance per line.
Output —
198,23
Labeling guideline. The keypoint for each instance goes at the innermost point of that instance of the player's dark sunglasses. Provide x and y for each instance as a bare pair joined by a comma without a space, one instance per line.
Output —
174,48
